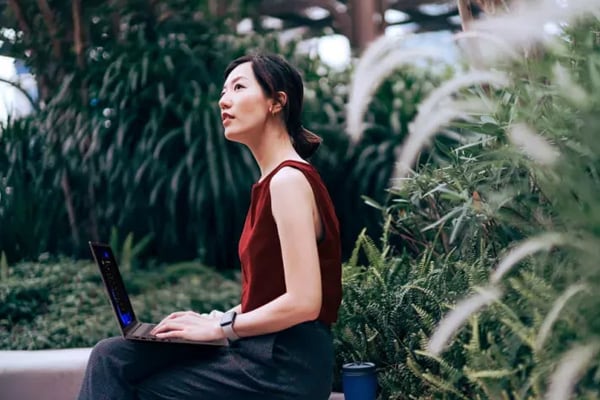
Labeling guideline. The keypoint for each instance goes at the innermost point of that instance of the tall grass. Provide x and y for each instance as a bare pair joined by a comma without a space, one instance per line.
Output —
526,201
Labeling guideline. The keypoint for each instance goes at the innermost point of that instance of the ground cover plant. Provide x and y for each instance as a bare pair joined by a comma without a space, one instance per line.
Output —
62,303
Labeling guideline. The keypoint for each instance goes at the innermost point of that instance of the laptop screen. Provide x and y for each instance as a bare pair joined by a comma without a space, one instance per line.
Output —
114,284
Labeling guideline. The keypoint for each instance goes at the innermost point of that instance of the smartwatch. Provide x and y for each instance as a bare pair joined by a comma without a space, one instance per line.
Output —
227,325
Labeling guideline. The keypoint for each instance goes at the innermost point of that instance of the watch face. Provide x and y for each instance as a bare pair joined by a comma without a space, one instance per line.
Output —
227,318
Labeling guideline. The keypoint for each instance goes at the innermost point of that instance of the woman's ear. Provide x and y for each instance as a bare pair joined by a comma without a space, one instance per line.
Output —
280,102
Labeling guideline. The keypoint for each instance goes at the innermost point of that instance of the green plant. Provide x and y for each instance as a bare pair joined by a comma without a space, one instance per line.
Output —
129,136
519,195
390,306
128,253
30,206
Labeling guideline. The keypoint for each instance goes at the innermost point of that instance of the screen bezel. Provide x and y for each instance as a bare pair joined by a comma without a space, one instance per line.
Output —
97,248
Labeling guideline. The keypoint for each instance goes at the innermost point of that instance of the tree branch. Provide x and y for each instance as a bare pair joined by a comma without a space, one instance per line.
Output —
489,6
18,10
52,28
466,15
78,37
115,23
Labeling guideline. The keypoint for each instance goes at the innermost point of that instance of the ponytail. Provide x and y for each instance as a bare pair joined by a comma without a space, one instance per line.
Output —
305,142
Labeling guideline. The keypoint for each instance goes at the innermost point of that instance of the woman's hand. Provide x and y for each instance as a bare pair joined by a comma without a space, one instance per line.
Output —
215,314
190,325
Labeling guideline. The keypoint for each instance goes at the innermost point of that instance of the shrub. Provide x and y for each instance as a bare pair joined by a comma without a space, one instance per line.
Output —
518,206
63,304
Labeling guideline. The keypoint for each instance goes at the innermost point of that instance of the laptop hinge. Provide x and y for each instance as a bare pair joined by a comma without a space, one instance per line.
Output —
132,327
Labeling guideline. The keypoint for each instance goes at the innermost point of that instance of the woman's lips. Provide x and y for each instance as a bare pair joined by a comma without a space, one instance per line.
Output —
226,118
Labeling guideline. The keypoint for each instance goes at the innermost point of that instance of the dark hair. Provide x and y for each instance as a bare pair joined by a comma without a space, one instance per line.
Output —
275,74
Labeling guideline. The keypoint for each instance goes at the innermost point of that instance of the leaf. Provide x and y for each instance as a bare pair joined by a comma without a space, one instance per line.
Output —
4,272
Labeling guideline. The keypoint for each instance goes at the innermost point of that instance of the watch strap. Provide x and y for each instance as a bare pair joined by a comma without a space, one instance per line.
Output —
228,327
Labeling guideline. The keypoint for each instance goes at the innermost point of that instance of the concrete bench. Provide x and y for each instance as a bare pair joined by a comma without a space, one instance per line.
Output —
48,374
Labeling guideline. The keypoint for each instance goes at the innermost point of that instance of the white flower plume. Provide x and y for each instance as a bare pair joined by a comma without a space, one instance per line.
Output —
528,247
571,367
532,144
434,114
555,313
525,24
457,317
379,60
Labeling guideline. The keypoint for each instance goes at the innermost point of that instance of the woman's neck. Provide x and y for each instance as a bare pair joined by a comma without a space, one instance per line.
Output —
273,150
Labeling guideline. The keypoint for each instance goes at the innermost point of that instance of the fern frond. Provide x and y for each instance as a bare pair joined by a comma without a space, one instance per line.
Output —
474,345
353,260
452,373
489,374
424,317
523,332
374,256
442,385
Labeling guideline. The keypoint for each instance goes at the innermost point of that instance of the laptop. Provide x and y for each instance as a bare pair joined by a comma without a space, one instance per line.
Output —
131,328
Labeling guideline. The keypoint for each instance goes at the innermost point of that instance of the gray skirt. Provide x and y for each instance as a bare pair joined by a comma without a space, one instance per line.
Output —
296,363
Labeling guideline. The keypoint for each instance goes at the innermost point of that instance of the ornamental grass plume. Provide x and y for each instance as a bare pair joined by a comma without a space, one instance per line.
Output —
526,248
452,322
376,64
568,87
526,24
532,144
554,313
503,46
570,368
434,114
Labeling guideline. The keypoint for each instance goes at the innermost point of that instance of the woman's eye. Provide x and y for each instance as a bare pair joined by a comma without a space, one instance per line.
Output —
237,86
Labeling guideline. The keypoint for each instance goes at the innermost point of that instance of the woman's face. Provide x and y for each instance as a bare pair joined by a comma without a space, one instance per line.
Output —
244,106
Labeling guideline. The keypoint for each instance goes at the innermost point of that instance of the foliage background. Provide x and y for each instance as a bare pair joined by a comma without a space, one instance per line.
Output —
526,174
523,187
128,140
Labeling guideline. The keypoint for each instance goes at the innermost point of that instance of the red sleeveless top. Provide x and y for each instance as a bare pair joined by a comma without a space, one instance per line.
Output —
260,249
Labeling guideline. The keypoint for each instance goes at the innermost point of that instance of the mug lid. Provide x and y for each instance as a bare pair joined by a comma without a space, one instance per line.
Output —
359,366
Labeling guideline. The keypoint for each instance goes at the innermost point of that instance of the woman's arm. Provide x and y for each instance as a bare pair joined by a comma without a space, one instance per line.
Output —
237,309
296,215
298,225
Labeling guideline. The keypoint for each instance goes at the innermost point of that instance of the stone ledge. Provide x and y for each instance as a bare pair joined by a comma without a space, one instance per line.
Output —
48,374
42,374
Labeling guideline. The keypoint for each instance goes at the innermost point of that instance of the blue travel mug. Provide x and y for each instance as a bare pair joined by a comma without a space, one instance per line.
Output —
359,381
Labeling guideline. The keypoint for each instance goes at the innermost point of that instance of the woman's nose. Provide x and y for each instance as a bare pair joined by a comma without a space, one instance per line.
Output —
224,102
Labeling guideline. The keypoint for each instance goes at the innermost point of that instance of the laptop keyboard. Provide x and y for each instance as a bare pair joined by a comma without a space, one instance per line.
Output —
143,332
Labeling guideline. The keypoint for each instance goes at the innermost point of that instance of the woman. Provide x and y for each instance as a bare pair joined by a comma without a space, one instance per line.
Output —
280,343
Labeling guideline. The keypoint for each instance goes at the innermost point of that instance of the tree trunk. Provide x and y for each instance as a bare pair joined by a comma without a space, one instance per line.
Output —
466,14
491,6
18,11
48,16
78,36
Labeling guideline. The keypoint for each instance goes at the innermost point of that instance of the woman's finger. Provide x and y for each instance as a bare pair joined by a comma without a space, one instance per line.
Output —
168,326
170,334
